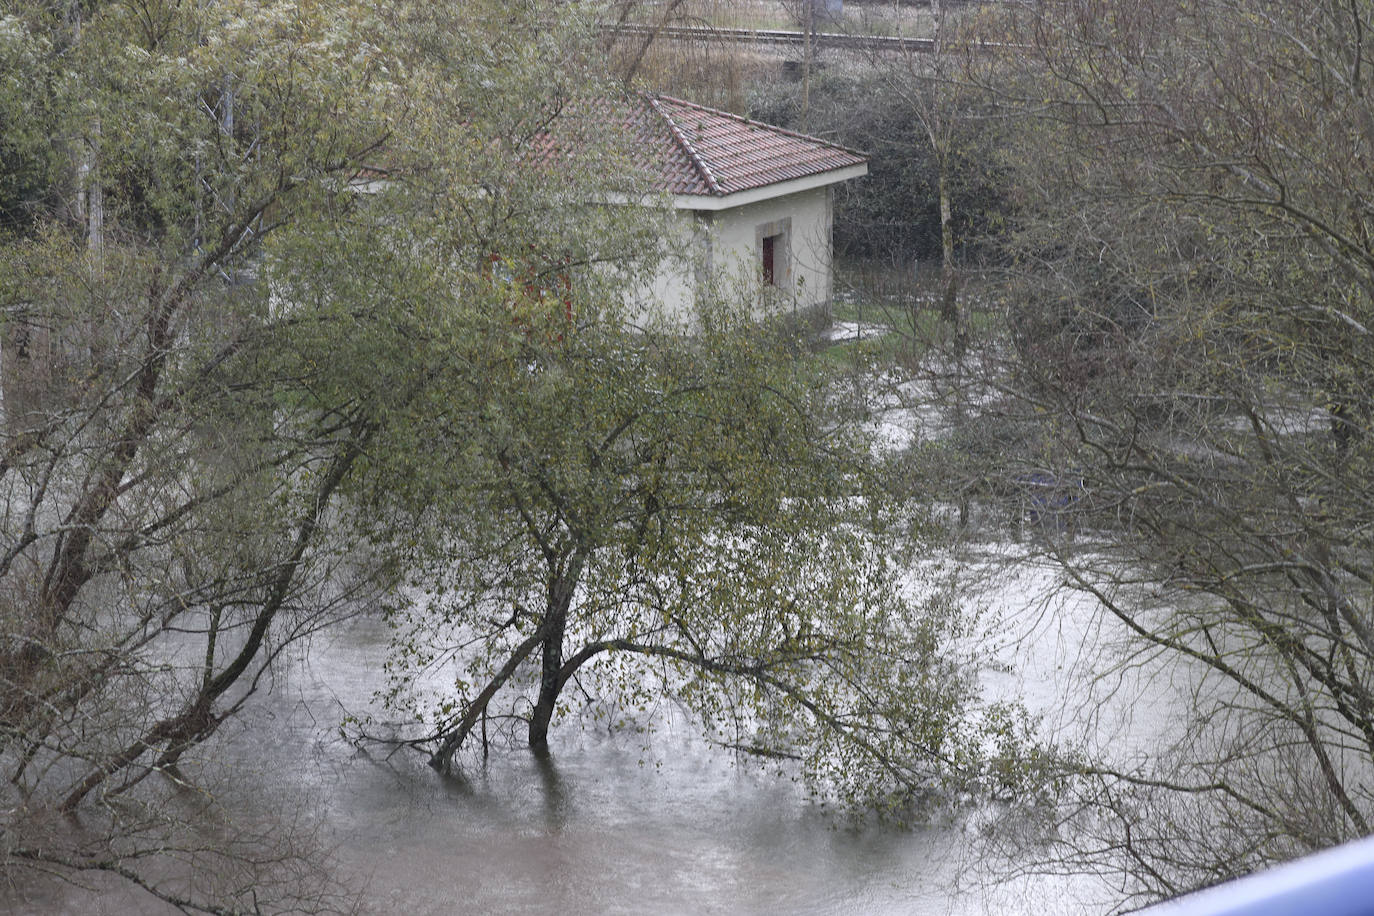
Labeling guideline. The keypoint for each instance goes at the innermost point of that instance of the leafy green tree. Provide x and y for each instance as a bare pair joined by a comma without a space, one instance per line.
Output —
207,323
623,516
288,270
161,539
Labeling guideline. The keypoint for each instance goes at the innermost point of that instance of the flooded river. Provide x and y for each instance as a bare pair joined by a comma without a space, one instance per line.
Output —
623,823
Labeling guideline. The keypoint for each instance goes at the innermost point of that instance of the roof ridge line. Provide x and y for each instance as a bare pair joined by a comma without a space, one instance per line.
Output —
681,138
752,123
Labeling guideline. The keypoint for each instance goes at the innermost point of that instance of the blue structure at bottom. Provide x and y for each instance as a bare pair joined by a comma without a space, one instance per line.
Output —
1337,882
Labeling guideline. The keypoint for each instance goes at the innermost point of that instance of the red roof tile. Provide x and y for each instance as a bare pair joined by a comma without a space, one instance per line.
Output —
709,152
688,149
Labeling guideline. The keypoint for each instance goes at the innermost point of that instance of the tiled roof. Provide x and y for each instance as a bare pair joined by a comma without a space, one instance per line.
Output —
703,151
692,150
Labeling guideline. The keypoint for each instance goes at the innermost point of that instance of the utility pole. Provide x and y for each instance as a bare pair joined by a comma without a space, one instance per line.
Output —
808,22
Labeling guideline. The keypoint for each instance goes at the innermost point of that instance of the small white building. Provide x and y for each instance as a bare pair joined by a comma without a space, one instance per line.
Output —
753,203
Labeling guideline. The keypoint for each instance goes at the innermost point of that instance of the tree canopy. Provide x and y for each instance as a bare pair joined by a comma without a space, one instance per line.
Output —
1189,317
294,324
646,516
178,423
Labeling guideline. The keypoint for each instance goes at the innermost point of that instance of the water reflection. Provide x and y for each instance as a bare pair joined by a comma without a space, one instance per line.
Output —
604,824
555,793
613,824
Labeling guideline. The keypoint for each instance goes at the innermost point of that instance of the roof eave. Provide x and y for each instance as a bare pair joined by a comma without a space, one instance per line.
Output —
769,191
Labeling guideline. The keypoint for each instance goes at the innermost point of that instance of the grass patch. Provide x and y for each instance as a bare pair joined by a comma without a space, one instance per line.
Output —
906,304
865,353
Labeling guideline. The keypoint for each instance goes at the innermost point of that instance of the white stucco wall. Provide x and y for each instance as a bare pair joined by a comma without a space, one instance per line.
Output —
802,270
671,294
726,245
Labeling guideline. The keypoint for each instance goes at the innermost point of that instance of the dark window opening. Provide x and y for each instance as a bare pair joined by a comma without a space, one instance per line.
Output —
769,252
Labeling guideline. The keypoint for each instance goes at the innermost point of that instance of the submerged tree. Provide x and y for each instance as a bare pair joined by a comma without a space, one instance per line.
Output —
624,516
288,272
177,426
162,505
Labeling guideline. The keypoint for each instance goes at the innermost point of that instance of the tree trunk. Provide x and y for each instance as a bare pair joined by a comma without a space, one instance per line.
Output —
949,281
561,589
938,24
950,313
549,687
92,193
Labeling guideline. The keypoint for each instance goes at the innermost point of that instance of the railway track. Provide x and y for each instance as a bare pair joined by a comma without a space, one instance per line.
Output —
784,38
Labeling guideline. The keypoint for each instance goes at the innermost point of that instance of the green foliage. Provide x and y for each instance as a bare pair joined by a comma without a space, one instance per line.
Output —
645,515
206,323
299,306
27,157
